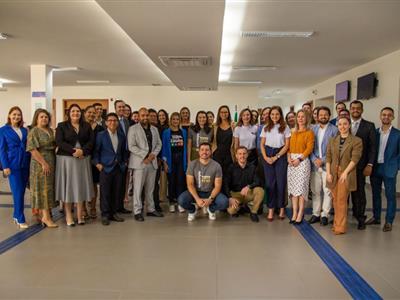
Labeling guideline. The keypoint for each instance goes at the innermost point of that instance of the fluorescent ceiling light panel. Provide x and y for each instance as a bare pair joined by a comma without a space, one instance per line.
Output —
277,34
245,82
4,80
92,81
66,69
254,68
233,19
3,36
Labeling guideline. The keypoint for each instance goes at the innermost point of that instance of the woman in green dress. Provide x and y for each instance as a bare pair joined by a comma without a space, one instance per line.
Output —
41,144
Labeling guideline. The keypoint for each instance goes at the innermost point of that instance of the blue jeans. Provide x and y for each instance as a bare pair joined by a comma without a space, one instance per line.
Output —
390,192
187,201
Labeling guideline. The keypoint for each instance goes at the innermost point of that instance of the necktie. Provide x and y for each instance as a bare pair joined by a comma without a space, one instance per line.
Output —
354,127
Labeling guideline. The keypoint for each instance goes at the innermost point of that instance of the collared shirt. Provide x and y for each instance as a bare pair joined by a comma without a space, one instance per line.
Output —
237,178
274,138
354,126
382,144
149,137
321,134
114,139
247,136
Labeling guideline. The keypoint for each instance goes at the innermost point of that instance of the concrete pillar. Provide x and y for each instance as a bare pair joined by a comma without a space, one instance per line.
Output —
41,87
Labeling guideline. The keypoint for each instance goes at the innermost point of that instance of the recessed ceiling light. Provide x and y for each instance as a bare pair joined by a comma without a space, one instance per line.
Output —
245,82
66,69
277,34
92,81
3,36
277,92
254,68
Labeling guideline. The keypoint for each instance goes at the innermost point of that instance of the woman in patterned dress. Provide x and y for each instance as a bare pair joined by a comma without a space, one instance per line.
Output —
41,144
299,169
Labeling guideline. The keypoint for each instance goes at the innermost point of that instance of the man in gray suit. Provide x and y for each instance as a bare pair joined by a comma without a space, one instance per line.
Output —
144,143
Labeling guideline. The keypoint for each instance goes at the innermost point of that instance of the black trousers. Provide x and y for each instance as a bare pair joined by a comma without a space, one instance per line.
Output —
358,197
176,178
110,191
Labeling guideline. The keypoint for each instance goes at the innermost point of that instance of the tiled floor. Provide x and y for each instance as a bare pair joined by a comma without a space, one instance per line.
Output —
171,259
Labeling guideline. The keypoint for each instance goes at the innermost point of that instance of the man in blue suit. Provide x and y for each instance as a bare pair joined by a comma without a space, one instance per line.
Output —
385,169
322,198
110,157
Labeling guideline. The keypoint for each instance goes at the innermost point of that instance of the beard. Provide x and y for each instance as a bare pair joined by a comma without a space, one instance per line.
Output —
323,122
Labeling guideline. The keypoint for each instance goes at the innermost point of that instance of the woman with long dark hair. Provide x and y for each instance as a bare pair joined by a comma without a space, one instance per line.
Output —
245,134
15,161
274,145
74,183
42,145
200,133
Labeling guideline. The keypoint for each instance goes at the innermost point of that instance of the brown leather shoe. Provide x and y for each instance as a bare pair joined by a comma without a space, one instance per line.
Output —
387,227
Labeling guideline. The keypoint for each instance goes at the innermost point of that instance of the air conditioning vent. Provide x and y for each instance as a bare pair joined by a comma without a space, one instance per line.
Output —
198,88
186,61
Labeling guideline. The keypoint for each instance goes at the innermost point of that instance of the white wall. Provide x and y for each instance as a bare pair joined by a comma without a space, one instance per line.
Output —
167,97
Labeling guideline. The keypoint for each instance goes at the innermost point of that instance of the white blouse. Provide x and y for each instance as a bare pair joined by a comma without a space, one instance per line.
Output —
274,138
247,136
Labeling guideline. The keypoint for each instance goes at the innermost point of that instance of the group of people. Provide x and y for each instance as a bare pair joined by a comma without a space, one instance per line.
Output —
213,165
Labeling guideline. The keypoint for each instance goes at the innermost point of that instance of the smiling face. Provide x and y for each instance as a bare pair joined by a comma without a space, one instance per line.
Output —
15,117
143,116
175,121
120,108
210,118
265,115
241,156
301,119
246,117
387,117
275,116
99,111
75,114
42,120
90,114
323,116
344,126
224,114
185,115
162,118
205,152
340,107
202,119
112,123
356,110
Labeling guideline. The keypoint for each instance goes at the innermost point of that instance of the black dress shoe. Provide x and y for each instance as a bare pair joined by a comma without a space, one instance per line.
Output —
324,221
155,214
361,225
125,211
254,218
314,219
139,218
292,221
105,221
373,221
159,209
116,218
387,227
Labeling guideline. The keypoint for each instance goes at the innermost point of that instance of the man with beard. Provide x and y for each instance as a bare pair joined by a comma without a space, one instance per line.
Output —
366,131
144,143
385,169
322,197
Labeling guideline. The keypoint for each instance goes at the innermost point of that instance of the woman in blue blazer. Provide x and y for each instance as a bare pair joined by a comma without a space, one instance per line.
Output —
15,160
173,152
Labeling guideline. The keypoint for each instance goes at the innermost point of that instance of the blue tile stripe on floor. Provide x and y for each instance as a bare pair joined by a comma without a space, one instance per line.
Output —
23,235
9,205
355,285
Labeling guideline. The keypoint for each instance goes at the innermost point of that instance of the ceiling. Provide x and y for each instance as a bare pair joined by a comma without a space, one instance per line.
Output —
120,41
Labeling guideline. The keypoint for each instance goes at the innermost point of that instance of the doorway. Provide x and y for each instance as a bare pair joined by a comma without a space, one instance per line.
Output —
83,103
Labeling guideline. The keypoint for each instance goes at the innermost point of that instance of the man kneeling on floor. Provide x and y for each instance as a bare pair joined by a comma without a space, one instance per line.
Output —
204,182
242,185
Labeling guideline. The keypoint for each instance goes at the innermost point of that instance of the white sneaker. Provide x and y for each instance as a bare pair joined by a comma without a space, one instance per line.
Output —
192,216
211,215
172,208
181,209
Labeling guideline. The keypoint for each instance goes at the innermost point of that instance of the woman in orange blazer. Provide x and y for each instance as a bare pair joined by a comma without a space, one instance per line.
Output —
343,153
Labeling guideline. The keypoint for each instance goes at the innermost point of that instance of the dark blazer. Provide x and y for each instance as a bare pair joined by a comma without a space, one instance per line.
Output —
104,152
391,164
13,153
366,132
125,124
66,138
352,150
333,121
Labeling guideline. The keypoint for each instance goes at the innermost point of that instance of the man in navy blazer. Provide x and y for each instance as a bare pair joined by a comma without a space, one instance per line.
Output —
323,132
385,169
110,158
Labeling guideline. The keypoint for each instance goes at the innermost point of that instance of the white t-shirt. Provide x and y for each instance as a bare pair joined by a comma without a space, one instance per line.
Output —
274,138
247,136
321,133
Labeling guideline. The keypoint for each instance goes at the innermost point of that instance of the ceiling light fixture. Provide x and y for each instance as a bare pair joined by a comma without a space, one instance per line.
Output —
233,19
255,68
245,82
57,69
3,36
277,34
92,81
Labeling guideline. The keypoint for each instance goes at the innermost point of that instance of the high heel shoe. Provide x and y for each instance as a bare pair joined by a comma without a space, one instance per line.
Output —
299,222
81,222
48,224
72,224
292,221
20,225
